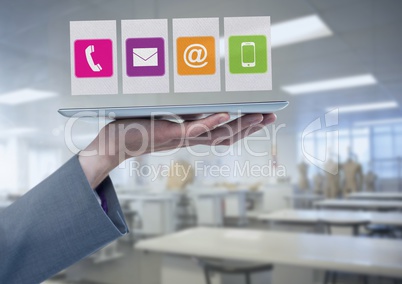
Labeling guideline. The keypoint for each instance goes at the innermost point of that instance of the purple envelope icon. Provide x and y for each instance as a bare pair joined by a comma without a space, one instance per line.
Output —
145,57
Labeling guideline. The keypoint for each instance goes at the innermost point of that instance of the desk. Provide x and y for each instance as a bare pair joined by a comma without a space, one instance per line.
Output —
306,199
155,213
308,251
314,216
274,196
136,195
376,195
359,204
236,205
208,206
213,205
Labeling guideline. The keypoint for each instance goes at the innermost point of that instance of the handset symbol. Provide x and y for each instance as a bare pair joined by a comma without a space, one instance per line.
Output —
88,54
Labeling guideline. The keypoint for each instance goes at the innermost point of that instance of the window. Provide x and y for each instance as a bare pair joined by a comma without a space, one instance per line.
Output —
360,145
382,142
378,148
3,169
398,141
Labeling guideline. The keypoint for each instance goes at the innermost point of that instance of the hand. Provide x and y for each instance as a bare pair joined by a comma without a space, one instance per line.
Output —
127,138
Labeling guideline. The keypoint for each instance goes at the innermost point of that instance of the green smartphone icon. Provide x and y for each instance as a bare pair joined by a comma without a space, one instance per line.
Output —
248,54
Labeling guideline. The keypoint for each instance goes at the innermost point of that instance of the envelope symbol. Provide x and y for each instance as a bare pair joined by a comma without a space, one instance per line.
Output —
145,56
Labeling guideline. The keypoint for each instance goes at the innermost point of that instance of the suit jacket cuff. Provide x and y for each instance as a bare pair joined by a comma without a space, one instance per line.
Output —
56,224
114,212
111,221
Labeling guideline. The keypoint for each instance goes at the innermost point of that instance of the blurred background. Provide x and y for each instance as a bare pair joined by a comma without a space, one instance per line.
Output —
340,58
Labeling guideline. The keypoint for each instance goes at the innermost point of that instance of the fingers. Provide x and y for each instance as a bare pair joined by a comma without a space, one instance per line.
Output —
243,130
206,131
198,127
268,119
228,130
191,116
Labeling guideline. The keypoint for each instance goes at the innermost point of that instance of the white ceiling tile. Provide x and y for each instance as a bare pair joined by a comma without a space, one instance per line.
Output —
323,47
330,4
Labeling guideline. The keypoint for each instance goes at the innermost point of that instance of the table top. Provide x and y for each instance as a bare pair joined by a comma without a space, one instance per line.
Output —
342,216
218,192
376,195
305,196
343,253
145,197
208,193
359,204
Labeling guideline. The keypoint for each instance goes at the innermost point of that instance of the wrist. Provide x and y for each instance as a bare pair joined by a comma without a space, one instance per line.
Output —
96,168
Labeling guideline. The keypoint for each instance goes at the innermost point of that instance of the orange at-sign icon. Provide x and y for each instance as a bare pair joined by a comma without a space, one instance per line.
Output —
196,55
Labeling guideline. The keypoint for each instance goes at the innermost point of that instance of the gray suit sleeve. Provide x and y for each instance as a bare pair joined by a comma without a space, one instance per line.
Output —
56,224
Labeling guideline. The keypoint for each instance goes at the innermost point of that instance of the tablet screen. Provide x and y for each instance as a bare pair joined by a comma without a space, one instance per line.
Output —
172,59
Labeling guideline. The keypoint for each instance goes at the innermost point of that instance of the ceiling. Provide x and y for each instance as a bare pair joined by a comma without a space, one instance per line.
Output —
34,52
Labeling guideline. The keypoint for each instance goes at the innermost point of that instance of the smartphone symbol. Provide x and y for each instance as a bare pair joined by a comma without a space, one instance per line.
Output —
248,54
88,54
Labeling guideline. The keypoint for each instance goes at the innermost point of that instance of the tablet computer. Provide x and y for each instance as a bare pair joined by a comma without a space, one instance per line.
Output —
173,110
200,66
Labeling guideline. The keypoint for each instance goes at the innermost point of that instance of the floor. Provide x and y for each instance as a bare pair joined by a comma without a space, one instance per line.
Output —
136,267
342,279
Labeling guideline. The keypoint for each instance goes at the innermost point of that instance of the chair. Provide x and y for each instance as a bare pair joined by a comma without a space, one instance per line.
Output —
215,266
331,276
353,224
376,230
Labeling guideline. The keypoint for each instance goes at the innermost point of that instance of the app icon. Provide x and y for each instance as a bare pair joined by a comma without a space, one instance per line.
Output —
145,57
248,54
93,58
196,55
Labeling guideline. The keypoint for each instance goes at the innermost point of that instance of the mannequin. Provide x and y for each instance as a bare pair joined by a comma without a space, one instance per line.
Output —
303,176
370,180
332,180
180,175
353,176
318,183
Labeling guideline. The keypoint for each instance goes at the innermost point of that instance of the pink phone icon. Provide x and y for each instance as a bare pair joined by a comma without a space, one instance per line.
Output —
88,54
93,58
